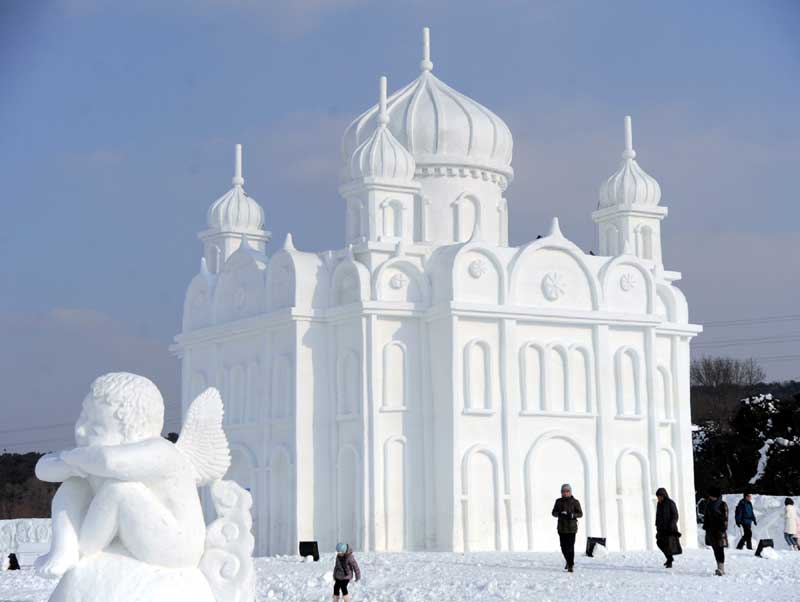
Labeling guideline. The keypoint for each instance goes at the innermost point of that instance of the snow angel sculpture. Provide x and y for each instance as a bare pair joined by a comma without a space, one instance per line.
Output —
127,519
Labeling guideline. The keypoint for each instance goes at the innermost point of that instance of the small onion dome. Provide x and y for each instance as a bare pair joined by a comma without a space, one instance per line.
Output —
438,125
381,155
630,185
234,210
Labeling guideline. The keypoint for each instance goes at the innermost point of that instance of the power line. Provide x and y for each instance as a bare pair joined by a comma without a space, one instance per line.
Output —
748,340
760,320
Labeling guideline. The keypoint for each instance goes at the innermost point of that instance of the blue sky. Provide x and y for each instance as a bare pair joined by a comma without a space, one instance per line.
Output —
118,120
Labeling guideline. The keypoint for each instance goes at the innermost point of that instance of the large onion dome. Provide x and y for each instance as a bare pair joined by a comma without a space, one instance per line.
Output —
630,185
381,156
235,210
439,126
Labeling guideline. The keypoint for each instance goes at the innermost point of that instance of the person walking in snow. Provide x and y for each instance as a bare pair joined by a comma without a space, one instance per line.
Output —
667,534
567,510
343,571
715,523
745,519
790,523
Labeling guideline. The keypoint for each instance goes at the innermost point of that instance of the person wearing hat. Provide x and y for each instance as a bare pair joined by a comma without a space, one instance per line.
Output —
567,510
667,534
790,523
715,523
343,571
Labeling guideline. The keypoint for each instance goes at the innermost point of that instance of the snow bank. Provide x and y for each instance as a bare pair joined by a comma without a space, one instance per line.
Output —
493,577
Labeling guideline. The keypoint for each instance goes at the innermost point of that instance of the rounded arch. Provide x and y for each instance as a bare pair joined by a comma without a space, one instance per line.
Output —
478,500
589,485
517,270
558,378
395,376
608,282
634,501
468,274
477,371
243,466
466,216
581,364
628,381
350,283
392,216
533,376
348,496
198,307
667,475
398,279
663,392
396,502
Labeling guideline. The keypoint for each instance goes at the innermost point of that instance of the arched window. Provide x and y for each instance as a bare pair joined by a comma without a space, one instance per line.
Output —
237,395
477,376
392,211
627,379
557,380
465,216
581,383
663,391
532,377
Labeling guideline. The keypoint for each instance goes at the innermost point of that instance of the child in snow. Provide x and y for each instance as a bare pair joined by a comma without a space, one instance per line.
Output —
344,569
790,523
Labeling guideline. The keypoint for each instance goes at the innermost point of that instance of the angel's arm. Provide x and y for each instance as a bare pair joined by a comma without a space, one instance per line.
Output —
145,460
53,469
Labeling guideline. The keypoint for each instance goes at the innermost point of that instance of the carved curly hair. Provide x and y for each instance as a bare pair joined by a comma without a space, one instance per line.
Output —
138,404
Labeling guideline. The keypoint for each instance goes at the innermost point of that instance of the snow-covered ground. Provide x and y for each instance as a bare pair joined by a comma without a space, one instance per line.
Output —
422,576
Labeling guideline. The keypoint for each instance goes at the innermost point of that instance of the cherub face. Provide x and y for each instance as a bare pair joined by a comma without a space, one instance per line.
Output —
97,424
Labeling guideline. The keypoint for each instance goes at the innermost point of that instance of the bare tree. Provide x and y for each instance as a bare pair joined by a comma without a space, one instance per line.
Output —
718,383
726,372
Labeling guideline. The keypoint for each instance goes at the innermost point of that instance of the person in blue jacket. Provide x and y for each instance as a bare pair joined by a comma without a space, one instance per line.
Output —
745,518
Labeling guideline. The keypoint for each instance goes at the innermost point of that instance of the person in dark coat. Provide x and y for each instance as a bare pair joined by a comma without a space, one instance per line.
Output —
568,510
13,563
745,519
667,534
715,523
343,571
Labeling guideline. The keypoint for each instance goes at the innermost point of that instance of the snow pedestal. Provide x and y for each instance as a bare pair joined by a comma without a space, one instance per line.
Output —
114,576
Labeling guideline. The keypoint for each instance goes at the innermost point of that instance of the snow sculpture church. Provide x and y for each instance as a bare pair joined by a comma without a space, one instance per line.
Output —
428,386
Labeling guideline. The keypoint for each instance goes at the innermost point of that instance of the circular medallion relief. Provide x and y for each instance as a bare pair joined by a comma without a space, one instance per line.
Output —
552,286
477,268
627,281
397,281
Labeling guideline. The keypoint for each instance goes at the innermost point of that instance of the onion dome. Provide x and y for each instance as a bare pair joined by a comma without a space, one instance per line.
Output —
630,185
234,210
438,125
381,155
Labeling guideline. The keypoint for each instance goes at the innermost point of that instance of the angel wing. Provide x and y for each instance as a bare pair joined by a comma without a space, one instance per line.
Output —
202,439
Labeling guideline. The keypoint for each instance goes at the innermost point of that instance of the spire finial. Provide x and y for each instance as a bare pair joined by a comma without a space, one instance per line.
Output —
383,116
238,180
629,152
555,229
426,64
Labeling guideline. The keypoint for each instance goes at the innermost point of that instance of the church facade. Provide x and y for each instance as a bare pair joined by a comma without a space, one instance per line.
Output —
428,386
